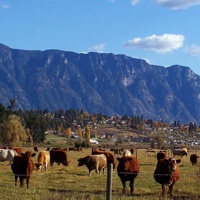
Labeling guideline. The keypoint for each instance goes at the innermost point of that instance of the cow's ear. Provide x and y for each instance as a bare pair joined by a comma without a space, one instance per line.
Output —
33,154
178,160
130,158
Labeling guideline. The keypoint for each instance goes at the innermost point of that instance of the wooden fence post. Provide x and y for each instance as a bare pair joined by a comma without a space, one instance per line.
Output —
136,155
109,181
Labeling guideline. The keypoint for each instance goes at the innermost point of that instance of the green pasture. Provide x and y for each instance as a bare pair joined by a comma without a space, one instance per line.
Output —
72,182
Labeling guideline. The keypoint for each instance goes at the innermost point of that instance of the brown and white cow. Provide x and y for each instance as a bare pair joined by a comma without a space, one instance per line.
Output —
179,152
194,159
22,167
7,155
58,156
126,153
109,156
94,162
128,169
43,160
17,149
167,173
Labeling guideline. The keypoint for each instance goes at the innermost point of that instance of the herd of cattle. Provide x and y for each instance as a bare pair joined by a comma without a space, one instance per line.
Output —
166,173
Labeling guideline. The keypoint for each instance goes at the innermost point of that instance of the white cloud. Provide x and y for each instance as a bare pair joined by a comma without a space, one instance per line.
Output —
134,2
192,50
159,43
178,4
4,6
97,48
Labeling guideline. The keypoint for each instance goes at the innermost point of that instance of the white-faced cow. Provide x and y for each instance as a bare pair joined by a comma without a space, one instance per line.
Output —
167,173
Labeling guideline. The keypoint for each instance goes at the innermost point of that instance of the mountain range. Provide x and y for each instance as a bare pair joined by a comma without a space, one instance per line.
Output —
98,83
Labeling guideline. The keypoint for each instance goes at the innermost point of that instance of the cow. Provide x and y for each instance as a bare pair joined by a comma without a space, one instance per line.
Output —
185,149
22,167
17,149
132,150
109,156
43,160
48,149
126,153
55,148
179,152
194,159
127,170
167,173
7,155
102,149
161,155
35,149
97,162
116,151
75,149
58,156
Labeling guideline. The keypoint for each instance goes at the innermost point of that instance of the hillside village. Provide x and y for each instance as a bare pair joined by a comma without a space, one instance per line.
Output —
117,131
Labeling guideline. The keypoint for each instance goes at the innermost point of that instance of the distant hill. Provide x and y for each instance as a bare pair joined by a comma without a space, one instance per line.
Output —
98,82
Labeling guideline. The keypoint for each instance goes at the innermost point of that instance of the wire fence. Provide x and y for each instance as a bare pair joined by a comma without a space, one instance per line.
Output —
73,182
61,184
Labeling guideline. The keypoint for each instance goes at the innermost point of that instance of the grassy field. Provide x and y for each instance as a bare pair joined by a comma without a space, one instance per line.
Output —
72,182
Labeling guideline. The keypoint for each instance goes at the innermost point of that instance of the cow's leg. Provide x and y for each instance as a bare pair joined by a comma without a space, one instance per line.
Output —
45,166
27,181
21,181
163,189
131,187
171,189
90,172
16,180
124,186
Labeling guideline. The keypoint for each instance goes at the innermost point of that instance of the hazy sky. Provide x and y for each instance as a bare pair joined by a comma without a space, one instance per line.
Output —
163,32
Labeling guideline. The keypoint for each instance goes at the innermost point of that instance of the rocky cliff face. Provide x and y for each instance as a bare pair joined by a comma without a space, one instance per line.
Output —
94,82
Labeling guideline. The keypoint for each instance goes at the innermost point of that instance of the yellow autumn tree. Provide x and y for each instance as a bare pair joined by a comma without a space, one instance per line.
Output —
87,135
80,134
14,131
68,134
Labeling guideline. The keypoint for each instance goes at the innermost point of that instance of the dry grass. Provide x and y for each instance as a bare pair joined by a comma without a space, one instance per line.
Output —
72,182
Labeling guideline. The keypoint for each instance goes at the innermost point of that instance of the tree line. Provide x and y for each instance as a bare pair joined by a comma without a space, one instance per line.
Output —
18,127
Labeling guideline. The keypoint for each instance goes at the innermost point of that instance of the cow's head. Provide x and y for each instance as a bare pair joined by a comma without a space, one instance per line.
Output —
38,166
83,161
65,162
124,163
172,164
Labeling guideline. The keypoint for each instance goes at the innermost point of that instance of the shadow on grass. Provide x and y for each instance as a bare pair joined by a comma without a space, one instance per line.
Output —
148,195
72,191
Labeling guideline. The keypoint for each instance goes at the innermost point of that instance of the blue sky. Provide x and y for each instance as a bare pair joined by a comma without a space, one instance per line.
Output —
163,32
